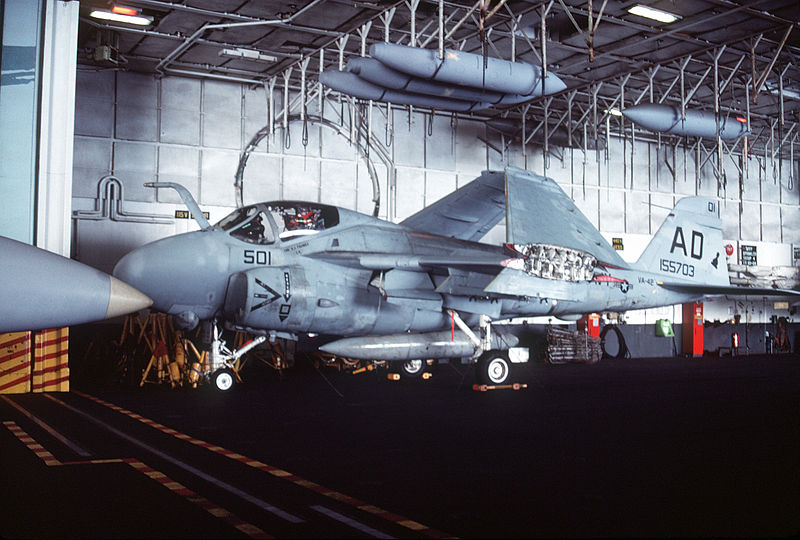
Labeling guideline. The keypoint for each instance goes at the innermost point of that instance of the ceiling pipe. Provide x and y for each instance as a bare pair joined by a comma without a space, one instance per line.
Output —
163,65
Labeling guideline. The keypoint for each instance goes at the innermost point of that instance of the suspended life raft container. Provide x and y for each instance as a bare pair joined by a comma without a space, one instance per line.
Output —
458,67
376,72
459,82
353,85
667,119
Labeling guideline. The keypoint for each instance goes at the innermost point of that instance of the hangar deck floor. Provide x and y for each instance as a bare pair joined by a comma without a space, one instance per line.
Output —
655,447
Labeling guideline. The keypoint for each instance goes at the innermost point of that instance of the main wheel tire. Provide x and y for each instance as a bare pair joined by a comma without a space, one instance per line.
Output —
494,368
223,380
412,369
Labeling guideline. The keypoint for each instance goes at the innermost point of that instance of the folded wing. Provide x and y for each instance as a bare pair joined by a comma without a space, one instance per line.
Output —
468,213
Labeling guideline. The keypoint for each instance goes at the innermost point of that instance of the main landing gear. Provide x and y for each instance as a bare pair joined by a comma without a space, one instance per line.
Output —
494,366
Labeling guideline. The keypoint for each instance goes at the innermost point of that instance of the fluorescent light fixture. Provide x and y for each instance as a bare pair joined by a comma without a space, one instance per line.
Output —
247,54
653,13
614,112
123,15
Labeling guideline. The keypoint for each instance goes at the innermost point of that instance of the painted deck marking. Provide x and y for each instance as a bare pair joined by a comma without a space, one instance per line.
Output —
193,470
247,528
346,499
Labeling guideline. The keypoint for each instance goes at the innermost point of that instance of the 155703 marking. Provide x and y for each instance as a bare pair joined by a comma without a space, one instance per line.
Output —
675,267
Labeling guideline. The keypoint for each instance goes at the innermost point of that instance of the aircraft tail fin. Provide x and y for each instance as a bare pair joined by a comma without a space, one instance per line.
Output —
688,246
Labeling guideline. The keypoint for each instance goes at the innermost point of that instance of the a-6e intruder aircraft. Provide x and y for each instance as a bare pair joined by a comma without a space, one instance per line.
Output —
424,288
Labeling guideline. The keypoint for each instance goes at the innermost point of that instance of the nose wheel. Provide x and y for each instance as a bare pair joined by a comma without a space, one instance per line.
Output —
223,380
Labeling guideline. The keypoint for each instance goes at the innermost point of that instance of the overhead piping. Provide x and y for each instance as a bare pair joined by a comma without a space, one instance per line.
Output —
163,65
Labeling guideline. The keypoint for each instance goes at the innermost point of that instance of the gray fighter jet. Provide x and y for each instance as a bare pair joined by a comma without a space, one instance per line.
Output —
423,288
40,289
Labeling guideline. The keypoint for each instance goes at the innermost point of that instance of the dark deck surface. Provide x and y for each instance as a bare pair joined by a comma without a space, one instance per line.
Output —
655,447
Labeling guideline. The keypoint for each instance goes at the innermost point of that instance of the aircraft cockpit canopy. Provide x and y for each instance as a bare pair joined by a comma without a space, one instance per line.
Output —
263,223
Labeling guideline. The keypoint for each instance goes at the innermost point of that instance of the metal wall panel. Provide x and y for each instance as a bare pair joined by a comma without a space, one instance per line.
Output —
180,165
440,151
612,211
181,93
437,185
94,103
365,201
94,116
301,179
339,183
751,183
640,170
135,164
729,213
660,206
470,150
409,140
255,106
586,201
222,130
615,171
180,126
222,97
771,186
637,212
410,192
790,225
217,173
91,161
222,112
771,222
136,123
262,178
751,221
137,90
709,187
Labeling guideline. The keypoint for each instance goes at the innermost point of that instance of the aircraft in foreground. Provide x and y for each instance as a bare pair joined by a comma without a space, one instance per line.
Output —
423,288
40,289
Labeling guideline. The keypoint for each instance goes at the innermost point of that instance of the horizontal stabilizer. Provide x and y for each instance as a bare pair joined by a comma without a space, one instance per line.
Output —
539,212
728,290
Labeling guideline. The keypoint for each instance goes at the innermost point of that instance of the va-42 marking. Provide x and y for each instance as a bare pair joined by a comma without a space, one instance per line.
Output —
675,267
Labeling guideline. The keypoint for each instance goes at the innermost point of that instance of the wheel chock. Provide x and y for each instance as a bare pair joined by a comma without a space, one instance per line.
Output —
427,375
393,376
487,387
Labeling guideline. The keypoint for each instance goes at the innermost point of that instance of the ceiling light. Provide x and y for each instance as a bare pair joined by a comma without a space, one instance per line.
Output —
614,112
122,10
247,54
123,15
653,13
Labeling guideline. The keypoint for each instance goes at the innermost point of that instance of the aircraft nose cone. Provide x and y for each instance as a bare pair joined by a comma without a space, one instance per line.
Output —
124,299
188,272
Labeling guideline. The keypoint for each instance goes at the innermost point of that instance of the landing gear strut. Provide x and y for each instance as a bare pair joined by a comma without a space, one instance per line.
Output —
221,359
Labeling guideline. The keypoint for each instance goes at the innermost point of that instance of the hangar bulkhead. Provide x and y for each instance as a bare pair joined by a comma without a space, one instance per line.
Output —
197,189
